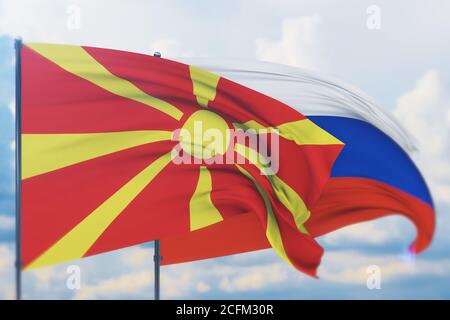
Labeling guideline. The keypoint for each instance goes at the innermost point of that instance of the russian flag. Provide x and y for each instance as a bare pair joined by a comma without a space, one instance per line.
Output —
374,176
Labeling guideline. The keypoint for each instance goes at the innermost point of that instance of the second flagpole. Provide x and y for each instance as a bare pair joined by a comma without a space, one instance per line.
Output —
18,264
156,255
157,261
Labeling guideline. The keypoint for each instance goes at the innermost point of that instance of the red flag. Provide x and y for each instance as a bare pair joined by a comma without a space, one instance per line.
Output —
105,135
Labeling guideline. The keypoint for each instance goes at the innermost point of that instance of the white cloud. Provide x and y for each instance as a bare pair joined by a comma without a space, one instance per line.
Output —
7,222
425,111
170,48
122,286
128,274
104,23
109,276
202,287
6,271
137,257
253,278
298,46
45,278
138,280
177,283
350,267
12,108
16,17
6,257
377,232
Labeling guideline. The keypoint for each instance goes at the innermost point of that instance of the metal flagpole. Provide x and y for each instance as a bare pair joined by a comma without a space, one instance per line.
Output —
157,260
156,256
18,48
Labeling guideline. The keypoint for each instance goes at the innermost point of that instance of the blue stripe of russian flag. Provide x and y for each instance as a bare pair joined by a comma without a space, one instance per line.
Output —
370,153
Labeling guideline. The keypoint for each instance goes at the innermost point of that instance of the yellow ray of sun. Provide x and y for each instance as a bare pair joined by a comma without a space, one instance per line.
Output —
301,131
202,211
272,231
205,85
77,242
42,153
288,196
78,61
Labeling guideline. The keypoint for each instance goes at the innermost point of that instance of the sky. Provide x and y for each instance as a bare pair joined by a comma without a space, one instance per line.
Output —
403,63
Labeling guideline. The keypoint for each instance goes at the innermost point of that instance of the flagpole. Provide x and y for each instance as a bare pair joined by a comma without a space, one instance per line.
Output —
156,256
157,260
18,263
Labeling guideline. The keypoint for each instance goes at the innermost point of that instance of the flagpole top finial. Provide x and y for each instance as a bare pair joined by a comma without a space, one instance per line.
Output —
157,54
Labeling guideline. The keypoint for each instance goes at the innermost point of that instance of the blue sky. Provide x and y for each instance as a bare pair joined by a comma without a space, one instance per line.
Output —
404,65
